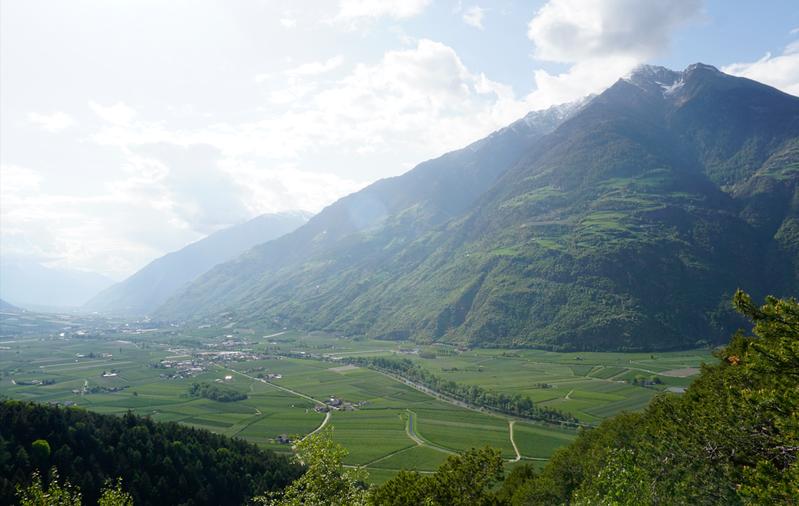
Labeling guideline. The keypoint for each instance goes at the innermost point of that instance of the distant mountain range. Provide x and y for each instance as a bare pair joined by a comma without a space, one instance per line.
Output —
29,284
5,306
625,221
149,287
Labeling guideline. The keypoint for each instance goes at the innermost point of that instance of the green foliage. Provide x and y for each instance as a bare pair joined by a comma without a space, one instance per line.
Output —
462,480
326,481
40,453
519,475
114,495
733,438
162,463
54,494
216,392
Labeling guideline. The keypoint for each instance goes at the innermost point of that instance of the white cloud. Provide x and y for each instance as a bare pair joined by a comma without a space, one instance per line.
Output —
288,22
781,71
316,68
52,122
420,101
114,232
575,30
118,114
397,9
179,183
286,187
601,39
473,16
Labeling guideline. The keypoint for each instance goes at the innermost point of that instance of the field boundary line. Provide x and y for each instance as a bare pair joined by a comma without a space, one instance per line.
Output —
294,392
384,457
258,417
618,374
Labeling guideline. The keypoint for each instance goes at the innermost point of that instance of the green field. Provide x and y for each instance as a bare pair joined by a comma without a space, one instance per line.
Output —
391,426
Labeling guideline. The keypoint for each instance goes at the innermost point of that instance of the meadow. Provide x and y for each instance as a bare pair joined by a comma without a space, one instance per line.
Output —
391,425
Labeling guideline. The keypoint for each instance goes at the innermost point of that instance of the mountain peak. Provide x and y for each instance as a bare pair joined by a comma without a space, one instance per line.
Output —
664,81
700,66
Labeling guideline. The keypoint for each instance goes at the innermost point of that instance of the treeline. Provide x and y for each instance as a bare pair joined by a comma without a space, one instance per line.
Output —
516,405
160,463
216,392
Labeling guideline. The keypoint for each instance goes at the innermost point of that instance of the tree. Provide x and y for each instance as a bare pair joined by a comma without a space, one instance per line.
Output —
114,495
56,494
519,475
40,453
326,481
462,480
732,438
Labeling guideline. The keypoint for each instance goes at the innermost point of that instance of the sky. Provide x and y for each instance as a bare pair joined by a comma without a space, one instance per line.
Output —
130,128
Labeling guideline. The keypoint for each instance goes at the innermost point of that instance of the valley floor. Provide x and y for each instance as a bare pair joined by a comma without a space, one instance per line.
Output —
386,423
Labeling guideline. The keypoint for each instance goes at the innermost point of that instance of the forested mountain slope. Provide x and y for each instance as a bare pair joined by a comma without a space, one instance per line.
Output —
628,226
400,209
150,286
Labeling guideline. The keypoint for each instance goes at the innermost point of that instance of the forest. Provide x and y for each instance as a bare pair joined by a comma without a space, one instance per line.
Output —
160,463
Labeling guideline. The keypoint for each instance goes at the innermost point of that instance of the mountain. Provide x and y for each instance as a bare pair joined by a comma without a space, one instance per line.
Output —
626,225
6,307
31,285
400,209
160,279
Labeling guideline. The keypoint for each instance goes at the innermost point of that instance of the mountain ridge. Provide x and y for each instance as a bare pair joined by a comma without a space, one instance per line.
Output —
151,285
34,286
572,243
